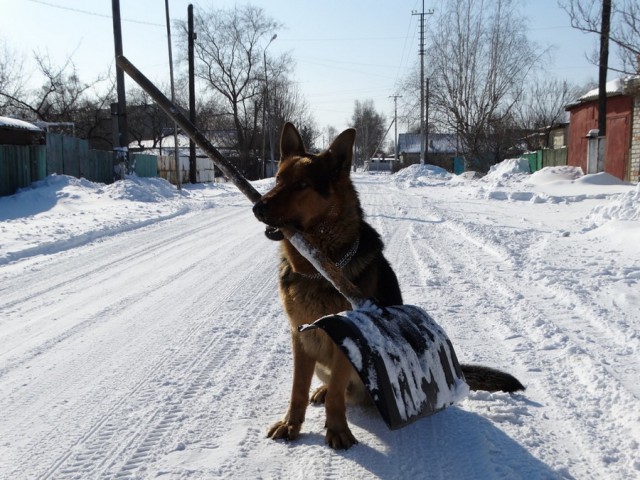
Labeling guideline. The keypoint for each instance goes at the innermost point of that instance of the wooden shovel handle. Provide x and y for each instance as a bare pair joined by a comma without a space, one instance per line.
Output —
329,270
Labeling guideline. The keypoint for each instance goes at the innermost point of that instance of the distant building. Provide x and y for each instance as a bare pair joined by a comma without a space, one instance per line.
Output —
164,149
442,149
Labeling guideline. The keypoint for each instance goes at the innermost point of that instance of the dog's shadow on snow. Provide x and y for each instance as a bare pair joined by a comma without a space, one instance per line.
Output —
453,444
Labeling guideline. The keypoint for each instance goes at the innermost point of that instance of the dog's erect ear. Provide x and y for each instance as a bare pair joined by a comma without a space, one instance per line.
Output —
341,149
291,142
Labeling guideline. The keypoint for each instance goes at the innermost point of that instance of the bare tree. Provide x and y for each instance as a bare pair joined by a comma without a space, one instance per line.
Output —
229,48
60,94
287,104
12,82
371,129
479,57
624,34
543,105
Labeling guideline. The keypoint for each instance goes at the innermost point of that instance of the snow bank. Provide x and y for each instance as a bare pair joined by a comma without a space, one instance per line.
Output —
62,212
549,175
625,206
508,169
421,175
146,190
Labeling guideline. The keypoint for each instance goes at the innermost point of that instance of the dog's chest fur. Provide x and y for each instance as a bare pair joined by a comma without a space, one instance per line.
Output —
306,299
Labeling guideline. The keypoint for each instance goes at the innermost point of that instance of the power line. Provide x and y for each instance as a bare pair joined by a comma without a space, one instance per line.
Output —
93,14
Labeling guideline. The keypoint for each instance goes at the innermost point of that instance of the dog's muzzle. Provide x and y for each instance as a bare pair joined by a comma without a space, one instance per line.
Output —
260,211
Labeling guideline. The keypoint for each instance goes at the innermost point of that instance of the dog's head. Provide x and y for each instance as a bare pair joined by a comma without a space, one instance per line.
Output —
306,184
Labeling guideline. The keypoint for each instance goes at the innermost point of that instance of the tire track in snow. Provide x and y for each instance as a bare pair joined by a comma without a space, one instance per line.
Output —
103,428
90,272
512,316
216,361
214,357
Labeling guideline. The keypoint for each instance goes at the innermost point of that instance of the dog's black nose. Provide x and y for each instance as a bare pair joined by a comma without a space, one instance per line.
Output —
259,210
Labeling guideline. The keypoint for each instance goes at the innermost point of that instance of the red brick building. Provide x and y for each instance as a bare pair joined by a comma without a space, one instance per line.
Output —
623,111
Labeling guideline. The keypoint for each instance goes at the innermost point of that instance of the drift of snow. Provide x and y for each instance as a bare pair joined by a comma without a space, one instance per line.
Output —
141,334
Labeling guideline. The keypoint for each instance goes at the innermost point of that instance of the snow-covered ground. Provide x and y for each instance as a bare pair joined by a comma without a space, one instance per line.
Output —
141,335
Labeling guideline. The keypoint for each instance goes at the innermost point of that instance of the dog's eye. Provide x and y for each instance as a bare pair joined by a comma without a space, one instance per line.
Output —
301,185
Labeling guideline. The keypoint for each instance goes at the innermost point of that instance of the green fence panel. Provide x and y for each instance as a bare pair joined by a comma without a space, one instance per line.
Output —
554,157
21,165
145,165
38,155
534,159
71,158
55,157
15,168
101,166
458,165
6,187
82,154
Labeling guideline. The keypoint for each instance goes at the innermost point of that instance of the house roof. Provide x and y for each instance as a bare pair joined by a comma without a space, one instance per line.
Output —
15,124
438,143
615,87
219,138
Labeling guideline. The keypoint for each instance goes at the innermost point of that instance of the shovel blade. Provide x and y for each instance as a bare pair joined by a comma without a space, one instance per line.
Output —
404,358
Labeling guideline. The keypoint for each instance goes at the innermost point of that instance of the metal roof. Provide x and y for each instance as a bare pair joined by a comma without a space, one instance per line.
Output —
15,124
438,143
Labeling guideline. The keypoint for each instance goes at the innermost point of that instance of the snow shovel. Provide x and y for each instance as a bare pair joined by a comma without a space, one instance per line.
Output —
403,357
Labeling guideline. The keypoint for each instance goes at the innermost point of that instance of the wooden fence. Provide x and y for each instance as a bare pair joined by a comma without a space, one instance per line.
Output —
145,165
548,157
22,164
72,156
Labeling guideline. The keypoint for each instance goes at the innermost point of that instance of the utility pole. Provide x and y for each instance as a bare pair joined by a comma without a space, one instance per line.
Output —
421,52
604,64
192,94
602,83
395,121
121,146
176,150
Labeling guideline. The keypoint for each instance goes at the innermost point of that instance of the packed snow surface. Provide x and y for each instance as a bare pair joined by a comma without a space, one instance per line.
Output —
141,334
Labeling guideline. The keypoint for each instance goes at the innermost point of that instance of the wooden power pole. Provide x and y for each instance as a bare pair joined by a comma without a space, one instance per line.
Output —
121,140
192,94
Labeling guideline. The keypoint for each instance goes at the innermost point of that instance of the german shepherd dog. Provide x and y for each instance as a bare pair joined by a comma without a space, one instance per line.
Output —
313,193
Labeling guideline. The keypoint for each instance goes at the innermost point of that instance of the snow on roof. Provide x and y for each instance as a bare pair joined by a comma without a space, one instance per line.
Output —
14,123
219,138
613,87
438,142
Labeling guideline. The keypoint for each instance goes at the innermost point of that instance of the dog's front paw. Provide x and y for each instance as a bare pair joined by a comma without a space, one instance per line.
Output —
284,430
340,439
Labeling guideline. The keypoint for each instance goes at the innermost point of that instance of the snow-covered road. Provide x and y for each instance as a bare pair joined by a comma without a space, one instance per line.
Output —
141,334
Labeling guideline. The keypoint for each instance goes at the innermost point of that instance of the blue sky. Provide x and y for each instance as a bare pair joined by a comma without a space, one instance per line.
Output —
344,50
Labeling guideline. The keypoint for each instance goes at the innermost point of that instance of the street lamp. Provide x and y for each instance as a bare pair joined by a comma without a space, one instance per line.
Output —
265,118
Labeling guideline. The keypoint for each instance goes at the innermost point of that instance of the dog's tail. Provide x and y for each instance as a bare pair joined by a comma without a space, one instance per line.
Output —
490,379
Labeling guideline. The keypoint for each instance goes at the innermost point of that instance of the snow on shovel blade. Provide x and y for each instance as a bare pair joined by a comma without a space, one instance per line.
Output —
404,358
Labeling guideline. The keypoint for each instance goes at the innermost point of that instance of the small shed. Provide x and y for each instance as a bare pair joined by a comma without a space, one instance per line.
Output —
621,99
19,132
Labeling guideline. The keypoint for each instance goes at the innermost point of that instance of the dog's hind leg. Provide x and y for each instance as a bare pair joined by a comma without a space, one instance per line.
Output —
338,435
303,366
320,394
